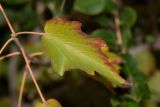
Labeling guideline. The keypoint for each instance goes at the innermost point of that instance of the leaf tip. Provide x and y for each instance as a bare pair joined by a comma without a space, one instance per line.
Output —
127,84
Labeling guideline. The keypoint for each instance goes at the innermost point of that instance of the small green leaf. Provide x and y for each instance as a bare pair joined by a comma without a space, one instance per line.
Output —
69,48
90,7
128,16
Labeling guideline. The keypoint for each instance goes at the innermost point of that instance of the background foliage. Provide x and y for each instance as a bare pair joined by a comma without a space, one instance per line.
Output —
140,50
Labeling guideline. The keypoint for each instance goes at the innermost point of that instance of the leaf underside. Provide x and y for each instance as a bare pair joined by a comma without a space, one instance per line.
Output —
69,48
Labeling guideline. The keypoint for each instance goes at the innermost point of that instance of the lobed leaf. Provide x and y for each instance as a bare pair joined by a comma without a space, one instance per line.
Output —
69,48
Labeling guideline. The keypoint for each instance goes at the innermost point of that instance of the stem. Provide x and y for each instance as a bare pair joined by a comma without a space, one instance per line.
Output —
12,76
32,76
10,55
62,6
26,59
24,79
36,54
118,32
32,33
22,89
5,45
18,53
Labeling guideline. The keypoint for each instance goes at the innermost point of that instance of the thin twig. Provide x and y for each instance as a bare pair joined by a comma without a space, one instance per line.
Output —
32,75
118,31
24,79
7,20
5,45
9,55
26,59
18,53
62,6
22,88
12,76
36,54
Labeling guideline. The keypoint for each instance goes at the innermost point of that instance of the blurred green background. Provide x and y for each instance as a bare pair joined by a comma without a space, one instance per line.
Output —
140,31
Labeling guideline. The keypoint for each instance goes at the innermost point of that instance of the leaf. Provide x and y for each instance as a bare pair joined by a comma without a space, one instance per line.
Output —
50,103
90,7
128,16
111,7
69,48
113,57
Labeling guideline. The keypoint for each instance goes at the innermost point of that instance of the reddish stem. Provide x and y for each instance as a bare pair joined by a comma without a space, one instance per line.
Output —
26,59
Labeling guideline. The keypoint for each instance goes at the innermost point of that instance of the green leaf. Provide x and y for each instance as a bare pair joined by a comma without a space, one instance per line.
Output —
69,48
90,7
128,16
111,7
